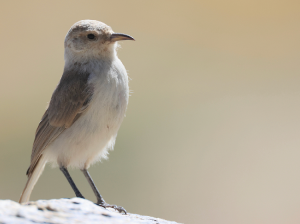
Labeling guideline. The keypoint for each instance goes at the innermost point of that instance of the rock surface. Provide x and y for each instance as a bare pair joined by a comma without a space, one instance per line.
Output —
75,210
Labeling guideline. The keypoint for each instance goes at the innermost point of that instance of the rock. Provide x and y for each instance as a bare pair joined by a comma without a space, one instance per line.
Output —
75,210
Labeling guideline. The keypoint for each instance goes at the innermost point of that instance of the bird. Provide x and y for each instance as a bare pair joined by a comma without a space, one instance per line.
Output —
86,109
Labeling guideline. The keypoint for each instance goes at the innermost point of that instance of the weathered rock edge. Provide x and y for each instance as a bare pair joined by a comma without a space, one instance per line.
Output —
75,210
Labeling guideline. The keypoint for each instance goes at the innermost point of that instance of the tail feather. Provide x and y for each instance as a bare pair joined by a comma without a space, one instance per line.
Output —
32,179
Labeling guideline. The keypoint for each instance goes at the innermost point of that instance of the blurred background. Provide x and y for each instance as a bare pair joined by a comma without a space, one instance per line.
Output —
212,132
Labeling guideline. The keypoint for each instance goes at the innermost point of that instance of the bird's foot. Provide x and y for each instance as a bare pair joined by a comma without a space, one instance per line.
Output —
118,208
80,196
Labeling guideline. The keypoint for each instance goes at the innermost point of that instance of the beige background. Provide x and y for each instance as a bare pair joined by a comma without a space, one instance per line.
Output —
213,125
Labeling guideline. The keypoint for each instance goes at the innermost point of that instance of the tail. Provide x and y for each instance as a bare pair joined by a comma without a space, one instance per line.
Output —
32,179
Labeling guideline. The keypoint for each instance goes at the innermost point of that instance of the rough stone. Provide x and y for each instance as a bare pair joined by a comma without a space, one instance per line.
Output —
75,210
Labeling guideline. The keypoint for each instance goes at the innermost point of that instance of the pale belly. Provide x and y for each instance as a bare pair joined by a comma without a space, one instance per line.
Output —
93,134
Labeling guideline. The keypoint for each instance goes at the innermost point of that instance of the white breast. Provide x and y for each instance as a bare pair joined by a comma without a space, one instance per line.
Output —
93,134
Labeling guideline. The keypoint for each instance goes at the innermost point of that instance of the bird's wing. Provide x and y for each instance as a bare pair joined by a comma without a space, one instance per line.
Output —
69,100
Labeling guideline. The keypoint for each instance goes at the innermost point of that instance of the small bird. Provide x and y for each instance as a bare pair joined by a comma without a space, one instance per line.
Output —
86,108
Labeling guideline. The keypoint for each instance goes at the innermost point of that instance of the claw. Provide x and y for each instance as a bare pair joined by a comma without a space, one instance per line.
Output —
118,208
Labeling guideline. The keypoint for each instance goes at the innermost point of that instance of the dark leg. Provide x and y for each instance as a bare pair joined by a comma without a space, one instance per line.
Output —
100,200
71,182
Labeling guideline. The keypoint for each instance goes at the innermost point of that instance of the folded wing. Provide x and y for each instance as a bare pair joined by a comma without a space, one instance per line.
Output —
69,100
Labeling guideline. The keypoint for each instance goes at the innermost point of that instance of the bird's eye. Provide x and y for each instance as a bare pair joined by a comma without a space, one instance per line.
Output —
91,36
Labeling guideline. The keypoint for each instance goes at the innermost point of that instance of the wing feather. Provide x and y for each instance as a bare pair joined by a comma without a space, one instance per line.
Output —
69,100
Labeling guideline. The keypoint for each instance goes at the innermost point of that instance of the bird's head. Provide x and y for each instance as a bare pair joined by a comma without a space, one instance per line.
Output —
92,39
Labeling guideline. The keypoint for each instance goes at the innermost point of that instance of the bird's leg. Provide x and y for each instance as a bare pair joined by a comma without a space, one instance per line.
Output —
100,200
71,182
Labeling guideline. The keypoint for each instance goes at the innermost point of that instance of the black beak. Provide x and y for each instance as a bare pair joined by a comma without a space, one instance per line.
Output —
120,36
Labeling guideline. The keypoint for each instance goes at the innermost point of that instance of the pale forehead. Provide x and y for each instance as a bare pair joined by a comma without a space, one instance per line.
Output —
88,25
